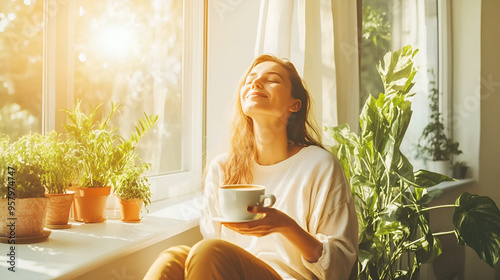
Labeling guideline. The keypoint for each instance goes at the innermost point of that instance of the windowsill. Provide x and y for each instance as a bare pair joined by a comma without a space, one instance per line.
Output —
448,185
72,252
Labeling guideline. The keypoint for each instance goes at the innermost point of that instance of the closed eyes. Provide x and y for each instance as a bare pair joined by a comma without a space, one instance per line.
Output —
272,78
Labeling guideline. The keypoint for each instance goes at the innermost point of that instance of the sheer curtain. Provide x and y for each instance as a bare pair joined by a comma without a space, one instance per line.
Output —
320,38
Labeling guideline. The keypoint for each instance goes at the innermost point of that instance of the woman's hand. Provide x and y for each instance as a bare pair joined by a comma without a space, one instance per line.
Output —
274,221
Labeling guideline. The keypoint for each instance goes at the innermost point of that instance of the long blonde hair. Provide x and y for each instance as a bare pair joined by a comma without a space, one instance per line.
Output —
301,130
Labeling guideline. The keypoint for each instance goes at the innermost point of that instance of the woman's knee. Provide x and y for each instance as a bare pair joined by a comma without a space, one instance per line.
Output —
219,259
210,248
213,253
169,264
176,252
213,259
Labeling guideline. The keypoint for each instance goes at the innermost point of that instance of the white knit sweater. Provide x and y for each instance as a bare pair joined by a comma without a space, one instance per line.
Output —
311,188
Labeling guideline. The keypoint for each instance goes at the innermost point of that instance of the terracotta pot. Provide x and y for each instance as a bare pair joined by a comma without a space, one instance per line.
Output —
90,204
29,217
131,210
58,210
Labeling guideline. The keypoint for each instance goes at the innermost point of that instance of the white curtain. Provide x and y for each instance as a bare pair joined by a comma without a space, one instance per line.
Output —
320,38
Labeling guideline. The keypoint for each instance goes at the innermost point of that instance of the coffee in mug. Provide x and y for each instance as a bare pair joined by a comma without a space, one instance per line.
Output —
234,200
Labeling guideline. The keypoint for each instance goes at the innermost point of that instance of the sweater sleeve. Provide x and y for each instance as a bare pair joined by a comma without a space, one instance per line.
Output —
334,222
210,202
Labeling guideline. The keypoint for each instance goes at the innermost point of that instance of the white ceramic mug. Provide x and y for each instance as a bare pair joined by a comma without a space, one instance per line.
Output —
234,200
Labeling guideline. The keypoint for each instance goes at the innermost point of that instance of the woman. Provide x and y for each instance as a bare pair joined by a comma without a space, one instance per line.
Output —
311,232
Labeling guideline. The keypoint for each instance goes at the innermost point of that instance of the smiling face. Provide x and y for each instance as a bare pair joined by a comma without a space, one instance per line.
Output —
267,92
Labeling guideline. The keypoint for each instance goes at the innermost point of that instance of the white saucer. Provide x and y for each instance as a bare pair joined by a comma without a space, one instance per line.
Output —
222,220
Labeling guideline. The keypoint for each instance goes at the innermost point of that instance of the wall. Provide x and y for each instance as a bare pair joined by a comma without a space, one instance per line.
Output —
476,103
489,153
466,19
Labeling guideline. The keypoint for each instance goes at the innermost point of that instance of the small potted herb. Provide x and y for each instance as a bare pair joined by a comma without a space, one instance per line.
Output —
95,142
459,169
23,196
61,166
132,188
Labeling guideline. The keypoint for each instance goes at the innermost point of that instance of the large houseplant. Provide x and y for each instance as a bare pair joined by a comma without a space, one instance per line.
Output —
103,155
434,145
62,170
23,203
391,198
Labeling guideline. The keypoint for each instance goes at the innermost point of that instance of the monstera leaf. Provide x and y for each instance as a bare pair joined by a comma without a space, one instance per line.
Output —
477,220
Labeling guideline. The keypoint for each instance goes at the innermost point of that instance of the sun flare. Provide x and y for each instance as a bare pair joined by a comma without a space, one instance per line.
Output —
116,41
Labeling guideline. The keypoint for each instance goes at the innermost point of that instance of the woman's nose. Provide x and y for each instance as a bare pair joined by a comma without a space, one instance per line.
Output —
256,83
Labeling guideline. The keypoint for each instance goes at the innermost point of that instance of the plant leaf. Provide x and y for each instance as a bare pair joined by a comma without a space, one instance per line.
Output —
477,220
398,72
370,251
428,195
425,178
427,252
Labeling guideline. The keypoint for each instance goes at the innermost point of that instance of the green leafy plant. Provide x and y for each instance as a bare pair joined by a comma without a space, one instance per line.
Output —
26,157
60,163
133,183
95,141
103,153
460,163
391,199
459,169
434,144
4,162
375,41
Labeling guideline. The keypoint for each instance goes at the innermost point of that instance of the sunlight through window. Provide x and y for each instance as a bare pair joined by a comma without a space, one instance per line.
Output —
115,41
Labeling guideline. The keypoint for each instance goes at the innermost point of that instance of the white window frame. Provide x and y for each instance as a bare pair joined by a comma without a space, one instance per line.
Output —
445,73
58,87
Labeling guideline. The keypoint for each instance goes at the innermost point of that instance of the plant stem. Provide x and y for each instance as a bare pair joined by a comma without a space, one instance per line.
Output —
434,234
437,207
443,233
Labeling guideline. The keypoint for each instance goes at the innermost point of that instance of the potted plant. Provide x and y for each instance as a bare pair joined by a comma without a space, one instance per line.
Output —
23,203
95,141
132,188
391,198
434,146
130,183
61,166
102,156
459,169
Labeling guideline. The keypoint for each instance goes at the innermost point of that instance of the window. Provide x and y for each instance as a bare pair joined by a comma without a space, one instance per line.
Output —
21,45
390,25
148,56
132,54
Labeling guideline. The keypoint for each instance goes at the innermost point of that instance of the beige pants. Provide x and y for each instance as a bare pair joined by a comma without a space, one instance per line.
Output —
210,259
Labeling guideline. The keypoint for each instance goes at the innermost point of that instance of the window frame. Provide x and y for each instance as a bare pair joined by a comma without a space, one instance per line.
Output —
58,88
